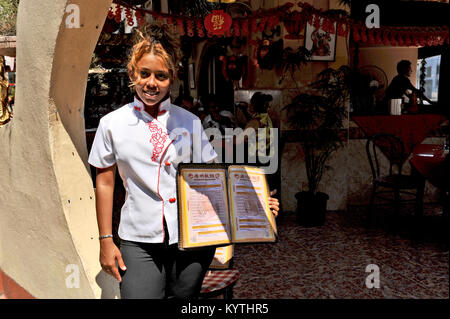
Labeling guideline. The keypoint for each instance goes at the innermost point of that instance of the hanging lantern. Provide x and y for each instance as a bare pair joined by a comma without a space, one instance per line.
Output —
129,16
400,38
236,28
190,28
254,25
118,13
199,27
408,41
273,21
217,22
370,36
378,37
363,35
262,24
392,39
110,13
356,36
244,27
386,41
293,24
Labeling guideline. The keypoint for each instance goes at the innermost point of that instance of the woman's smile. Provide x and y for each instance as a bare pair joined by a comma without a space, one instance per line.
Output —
154,80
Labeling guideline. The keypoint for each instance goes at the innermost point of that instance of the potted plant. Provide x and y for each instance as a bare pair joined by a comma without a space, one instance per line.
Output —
318,116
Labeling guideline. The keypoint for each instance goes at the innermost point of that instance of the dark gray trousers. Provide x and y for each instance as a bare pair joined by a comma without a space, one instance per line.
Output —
157,271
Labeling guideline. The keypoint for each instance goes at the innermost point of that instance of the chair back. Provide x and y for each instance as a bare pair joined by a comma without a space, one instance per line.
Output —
391,146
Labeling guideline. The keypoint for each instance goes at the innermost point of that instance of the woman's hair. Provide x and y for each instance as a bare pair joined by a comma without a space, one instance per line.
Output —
157,40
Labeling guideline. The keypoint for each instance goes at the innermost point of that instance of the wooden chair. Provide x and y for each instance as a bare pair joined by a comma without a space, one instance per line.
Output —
392,181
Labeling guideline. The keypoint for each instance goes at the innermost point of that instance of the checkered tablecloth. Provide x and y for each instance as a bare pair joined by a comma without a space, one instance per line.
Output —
219,279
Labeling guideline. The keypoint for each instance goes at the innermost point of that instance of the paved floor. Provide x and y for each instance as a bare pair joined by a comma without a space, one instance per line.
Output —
330,261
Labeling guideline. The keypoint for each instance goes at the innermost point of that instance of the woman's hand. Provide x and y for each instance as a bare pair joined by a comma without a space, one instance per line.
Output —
274,204
109,253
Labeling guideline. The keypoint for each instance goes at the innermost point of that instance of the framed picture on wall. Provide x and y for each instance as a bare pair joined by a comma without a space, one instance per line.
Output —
191,76
321,44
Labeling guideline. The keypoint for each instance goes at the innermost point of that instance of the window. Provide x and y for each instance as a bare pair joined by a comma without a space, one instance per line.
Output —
431,85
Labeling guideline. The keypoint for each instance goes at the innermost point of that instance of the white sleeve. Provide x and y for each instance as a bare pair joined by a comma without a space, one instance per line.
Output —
102,151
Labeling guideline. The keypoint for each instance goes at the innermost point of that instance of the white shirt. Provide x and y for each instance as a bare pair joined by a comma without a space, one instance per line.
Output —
147,152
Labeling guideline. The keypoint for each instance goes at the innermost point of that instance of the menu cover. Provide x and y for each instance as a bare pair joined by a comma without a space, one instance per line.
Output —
223,258
219,205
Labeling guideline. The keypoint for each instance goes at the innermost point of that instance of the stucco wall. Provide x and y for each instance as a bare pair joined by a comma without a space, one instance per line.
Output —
47,214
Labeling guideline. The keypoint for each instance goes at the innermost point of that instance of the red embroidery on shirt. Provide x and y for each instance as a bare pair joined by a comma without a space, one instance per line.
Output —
157,139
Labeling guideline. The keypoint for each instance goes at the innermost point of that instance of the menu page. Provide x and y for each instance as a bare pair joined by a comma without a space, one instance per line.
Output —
251,216
204,218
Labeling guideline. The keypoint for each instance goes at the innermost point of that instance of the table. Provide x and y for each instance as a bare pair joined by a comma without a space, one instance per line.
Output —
411,129
430,161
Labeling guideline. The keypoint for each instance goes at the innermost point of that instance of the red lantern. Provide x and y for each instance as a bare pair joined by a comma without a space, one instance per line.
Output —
180,26
262,24
371,37
273,21
199,26
392,39
217,22
356,36
244,27
190,28
118,13
400,38
378,37
236,28
386,41
254,25
293,24
110,13
129,16
363,35
408,41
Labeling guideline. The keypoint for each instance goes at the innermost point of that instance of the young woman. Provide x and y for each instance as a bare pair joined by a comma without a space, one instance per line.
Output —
143,140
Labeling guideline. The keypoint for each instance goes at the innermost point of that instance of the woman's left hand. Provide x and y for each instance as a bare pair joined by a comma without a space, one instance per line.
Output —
274,204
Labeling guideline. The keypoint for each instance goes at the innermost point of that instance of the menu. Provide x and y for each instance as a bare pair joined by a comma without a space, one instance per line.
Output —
221,205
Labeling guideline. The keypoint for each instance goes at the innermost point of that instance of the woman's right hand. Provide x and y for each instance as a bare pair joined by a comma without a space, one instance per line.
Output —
109,253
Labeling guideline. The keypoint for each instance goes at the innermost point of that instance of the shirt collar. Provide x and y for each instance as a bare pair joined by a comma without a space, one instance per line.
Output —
163,107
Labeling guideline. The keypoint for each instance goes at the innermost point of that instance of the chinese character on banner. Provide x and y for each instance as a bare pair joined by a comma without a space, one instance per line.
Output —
218,22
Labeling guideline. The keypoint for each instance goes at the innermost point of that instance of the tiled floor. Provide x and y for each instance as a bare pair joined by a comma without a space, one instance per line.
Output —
330,261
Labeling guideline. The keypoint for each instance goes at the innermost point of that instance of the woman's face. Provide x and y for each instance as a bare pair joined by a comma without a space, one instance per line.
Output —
154,82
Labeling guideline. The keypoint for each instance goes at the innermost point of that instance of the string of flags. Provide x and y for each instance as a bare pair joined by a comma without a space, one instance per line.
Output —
220,23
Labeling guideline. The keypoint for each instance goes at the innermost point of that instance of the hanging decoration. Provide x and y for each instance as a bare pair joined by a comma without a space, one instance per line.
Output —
220,23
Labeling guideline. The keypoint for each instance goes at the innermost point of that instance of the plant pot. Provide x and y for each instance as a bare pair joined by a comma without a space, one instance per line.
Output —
311,208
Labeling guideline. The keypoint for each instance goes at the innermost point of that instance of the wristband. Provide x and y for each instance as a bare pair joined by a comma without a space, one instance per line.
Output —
105,236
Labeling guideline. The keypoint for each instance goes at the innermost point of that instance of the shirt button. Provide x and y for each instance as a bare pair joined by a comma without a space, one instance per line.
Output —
172,200
167,163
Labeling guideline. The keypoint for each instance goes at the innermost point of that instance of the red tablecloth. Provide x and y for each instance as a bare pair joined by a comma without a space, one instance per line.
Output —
428,160
411,129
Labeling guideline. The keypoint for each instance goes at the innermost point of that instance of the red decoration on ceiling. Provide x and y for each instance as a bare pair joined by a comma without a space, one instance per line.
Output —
217,22
294,22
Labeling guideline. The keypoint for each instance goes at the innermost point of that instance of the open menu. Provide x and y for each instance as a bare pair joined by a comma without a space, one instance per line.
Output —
219,205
